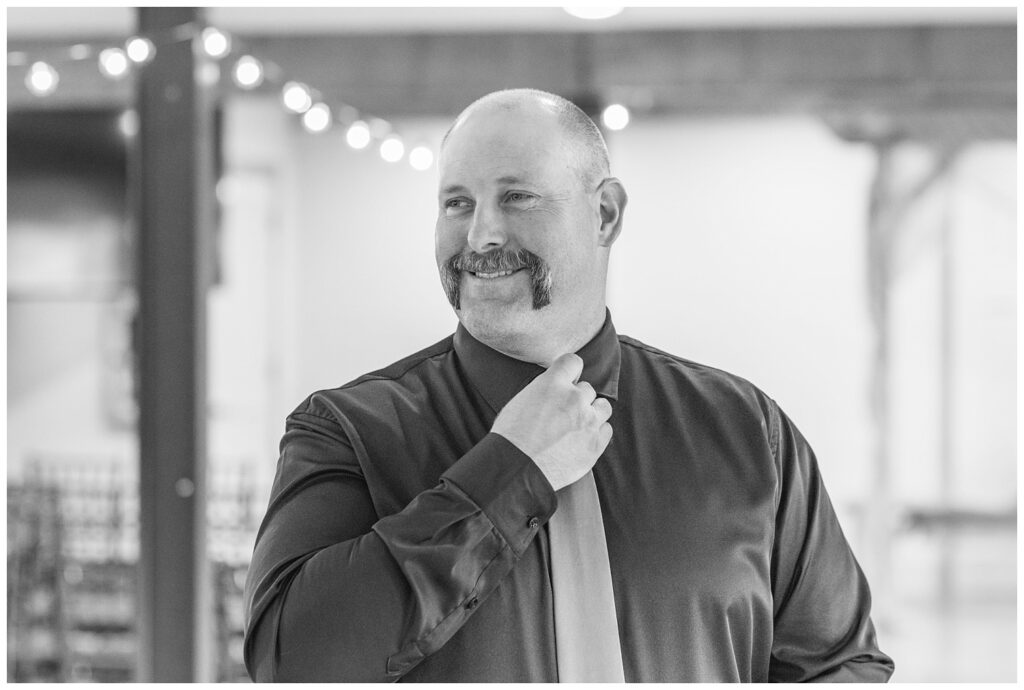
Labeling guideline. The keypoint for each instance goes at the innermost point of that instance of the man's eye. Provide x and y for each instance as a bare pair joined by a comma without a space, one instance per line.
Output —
455,205
517,196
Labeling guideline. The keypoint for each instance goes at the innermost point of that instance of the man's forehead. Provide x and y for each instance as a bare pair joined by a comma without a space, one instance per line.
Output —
522,165
454,183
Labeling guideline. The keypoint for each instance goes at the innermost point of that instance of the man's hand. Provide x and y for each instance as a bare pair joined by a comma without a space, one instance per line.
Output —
562,425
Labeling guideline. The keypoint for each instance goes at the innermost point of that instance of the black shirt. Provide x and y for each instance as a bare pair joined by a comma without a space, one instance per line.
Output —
403,540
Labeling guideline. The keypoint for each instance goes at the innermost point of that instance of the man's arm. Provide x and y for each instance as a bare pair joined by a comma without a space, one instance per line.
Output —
336,594
823,629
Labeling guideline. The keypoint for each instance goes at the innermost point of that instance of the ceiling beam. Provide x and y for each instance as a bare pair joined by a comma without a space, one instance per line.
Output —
894,70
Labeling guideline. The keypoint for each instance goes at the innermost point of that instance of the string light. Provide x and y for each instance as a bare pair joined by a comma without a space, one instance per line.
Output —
317,118
248,72
139,49
421,158
42,79
113,63
295,97
593,12
216,43
358,135
615,117
392,149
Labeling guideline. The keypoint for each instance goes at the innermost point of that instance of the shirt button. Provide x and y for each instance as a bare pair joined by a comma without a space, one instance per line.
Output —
471,604
533,523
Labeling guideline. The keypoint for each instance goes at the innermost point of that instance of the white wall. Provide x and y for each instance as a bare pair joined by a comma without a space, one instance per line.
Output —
367,287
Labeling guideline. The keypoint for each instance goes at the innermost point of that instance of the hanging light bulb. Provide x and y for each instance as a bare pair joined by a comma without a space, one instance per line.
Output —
296,97
139,49
248,72
421,158
593,12
42,79
358,135
113,63
392,149
216,43
317,118
615,116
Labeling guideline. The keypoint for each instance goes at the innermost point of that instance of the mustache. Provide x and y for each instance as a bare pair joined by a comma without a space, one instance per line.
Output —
495,261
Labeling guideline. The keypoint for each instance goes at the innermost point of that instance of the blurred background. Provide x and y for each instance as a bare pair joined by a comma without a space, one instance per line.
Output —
213,212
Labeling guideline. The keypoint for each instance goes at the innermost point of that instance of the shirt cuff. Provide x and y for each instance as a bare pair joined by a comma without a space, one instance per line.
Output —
508,486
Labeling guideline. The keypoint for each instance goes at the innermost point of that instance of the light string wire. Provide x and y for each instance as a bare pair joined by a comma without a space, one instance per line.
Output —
248,72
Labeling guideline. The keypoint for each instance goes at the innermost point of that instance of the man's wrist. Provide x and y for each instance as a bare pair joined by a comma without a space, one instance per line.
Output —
508,486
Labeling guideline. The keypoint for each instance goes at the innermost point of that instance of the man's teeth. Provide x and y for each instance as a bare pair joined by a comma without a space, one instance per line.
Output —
499,274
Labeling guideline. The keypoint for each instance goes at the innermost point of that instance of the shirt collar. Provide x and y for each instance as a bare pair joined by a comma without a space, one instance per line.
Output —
499,377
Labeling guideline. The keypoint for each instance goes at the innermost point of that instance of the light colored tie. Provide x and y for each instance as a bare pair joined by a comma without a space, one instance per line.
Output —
586,629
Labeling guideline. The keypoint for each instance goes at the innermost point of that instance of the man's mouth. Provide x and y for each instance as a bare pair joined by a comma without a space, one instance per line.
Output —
496,274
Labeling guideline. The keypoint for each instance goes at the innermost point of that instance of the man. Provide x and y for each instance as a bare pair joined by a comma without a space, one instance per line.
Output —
537,498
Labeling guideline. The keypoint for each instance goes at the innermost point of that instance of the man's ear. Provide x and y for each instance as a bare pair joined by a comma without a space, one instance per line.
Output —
612,205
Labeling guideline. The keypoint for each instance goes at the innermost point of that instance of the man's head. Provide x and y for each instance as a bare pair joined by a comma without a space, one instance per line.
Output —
527,214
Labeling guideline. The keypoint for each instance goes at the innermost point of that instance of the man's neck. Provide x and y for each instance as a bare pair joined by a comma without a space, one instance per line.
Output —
544,348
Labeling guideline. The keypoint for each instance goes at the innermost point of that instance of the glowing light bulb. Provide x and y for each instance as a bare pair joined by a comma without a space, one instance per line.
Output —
139,49
216,43
42,79
358,135
593,12
113,63
296,97
317,118
421,158
615,116
392,149
248,72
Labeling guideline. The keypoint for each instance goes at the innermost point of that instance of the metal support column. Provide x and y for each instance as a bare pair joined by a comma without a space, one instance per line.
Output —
879,264
173,178
889,205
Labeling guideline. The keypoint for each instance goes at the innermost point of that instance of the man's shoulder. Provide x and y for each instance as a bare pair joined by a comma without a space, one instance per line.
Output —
401,375
687,372
410,365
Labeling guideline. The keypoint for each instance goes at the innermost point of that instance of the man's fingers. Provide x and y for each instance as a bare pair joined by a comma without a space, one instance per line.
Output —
568,365
603,408
588,391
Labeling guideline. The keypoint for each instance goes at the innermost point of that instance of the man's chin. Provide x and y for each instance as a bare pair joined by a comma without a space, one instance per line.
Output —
499,318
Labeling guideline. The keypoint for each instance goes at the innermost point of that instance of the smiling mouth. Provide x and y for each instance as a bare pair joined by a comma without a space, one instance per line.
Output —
496,274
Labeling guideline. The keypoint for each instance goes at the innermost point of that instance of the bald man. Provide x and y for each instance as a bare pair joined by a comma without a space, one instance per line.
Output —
537,498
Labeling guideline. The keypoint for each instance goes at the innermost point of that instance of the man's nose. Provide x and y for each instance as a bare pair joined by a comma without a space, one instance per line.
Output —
487,231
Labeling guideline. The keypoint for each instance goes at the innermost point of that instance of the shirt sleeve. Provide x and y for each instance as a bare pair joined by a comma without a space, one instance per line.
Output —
822,605
337,593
